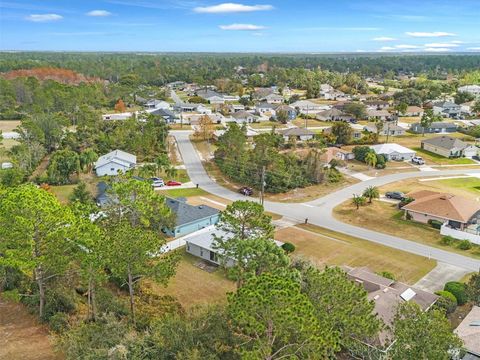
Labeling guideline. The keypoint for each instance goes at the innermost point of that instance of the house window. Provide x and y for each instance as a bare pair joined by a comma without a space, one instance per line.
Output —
112,169
201,252
188,246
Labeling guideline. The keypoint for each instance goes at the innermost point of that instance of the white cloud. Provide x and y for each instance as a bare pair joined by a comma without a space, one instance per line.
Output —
407,46
242,27
458,42
231,8
99,13
387,48
437,49
44,17
384,38
430,34
441,45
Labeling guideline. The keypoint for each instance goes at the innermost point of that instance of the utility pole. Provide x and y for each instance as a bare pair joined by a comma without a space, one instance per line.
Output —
262,194
388,131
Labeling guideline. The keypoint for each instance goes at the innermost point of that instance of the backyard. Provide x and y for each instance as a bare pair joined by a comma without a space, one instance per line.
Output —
326,247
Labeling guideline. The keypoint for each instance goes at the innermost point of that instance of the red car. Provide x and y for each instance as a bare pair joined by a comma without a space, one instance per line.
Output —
173,183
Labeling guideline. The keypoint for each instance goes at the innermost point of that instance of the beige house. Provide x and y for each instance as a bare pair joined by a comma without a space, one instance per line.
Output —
299,134
457,211
449,147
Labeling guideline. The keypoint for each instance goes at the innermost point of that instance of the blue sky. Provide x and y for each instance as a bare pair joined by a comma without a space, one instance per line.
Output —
241,26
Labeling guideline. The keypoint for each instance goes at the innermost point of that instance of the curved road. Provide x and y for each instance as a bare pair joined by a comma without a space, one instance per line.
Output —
319,211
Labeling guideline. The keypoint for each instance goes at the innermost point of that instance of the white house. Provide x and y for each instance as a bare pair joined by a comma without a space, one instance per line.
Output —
393,151
244,117
115,162
274,99
471,89
307,106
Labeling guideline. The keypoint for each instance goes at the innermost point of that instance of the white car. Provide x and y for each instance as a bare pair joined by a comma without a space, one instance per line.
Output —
418,160
157,182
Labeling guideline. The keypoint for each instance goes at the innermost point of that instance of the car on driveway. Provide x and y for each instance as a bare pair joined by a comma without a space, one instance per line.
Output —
157,182
417,160
247,191
397,195
173,183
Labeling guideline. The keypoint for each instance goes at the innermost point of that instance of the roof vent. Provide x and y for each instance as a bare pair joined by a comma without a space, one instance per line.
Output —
385,290
408,294
376,297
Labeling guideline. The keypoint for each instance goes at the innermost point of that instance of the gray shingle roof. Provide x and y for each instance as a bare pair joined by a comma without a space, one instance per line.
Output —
446,142
186,213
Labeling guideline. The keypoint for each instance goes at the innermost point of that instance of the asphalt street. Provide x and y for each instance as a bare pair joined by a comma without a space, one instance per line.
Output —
319,211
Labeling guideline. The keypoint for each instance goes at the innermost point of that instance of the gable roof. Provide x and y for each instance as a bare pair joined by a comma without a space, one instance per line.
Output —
186,213
118,156
296,131
242,114
468,333
446,142
331,112
442,205
391,148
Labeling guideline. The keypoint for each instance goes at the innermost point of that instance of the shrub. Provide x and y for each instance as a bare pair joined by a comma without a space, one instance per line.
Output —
387,274
447,240
435,224
464,245
458,290
58,300
58,322
288,247
11,295
381,162
447,301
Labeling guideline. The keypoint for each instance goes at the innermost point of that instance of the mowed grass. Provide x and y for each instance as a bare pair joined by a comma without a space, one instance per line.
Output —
311,123
194,286
386,218
9,125
326,247
411,140
62,192
431,157
175,193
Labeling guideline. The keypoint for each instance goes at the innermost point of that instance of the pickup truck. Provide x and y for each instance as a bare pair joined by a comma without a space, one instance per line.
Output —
418,160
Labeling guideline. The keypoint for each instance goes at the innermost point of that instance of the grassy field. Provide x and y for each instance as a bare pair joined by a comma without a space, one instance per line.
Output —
386,218
430,157
413,140
62,192
458,186
266,125
310,123
9,125
326,247
175,193
193,286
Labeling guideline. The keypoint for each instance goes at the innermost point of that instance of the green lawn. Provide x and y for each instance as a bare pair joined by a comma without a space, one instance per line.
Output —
469,184
62,192
266,124
440,160
175,193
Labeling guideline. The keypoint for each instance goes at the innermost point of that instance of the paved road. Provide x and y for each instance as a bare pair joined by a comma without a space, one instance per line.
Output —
319,211
175,97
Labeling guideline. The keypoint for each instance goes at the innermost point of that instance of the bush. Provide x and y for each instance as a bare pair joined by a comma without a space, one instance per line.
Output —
58,301
288,247
435,224
458,290
58,322
447,301
464,245
108,303
387,274
381,162
447,240
11,295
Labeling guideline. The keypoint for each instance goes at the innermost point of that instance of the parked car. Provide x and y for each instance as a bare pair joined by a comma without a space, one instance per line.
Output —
397,195
247,191
173,183
418,160
157,182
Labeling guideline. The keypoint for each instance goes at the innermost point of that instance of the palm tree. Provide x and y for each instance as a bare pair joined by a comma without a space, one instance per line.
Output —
371,159
358,200
371,193
171,172
87,159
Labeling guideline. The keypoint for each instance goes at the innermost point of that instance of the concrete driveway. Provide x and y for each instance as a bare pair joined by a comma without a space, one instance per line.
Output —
319,211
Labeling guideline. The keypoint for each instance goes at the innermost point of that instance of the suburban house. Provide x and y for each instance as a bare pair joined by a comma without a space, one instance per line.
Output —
290,111
413,111
262,93
334,153
115,162
455,211
265,109
393,151
201,245
242,117
388,129
467,107
157,104
274,99
333,114
300,134
211,96
168,115
376,104
469,332
449,147
387,295
471,89
447,109
376,114
436,127
308,107
190,218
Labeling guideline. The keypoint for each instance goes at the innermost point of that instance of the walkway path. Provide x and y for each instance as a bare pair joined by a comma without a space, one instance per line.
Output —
319,211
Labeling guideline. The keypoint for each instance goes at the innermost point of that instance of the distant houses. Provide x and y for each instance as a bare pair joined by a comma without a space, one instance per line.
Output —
438,127
114,163
387,129
471,89
299,134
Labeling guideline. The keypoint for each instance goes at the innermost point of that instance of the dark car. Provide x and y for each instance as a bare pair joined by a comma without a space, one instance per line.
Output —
247,191
397,195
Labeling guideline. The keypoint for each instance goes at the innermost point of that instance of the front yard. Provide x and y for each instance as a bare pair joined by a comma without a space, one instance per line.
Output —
326,247
432,158
385,218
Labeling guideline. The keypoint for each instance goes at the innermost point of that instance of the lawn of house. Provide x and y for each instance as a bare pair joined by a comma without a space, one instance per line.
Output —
9,125
326,247
411,140
194,286
267,125
311,123
385,218
436,159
